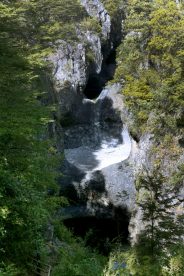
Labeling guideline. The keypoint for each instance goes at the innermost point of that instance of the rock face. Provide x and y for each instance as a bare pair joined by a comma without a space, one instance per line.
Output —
96,9
70,71
70,64
99,154
101,160
97,148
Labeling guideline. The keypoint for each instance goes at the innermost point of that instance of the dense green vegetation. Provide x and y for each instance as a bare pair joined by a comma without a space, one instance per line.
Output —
150,65
74,258
27,163
114,7
29,31
151,69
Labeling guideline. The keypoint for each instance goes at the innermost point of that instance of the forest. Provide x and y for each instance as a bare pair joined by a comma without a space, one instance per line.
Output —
150,69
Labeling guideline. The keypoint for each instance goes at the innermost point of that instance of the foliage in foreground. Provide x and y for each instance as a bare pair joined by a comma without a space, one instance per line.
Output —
27,161
29,31
159,249
74,258
150,68
129,262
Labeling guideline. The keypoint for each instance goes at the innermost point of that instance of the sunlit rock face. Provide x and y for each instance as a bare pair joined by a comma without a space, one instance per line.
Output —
71,69
96,9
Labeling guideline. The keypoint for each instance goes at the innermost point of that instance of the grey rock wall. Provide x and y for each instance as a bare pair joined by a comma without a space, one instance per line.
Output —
104,154
96,9
71,67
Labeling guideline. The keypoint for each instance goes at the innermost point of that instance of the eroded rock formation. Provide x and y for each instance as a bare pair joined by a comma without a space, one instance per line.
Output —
100,156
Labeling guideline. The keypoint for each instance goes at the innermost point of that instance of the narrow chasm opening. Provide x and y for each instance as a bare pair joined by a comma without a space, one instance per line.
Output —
101,233
96,82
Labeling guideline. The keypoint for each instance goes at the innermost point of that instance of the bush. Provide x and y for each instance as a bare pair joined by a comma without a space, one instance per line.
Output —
75,259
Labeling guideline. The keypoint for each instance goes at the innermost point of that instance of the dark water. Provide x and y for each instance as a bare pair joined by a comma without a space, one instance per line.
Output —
101,233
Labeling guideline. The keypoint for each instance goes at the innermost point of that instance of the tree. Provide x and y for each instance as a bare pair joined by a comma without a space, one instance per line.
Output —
27,162
150,65
29,32
159,198
133,69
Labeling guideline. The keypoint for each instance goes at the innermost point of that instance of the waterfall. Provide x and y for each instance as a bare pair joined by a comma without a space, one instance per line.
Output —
112,152
106,143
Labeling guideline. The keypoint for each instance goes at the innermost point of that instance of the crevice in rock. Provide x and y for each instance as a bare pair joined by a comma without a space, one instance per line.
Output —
96,82
102,233
93,144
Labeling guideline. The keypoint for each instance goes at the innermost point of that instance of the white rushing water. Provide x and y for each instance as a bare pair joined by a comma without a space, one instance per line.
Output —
109,153
113,144
112,152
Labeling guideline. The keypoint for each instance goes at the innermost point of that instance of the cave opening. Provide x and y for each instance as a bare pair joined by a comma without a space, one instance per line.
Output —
101,233
96,82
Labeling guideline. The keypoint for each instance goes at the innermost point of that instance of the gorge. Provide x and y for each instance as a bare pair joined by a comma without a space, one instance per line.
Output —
95,145
91,137
102,156
97,177
107,147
